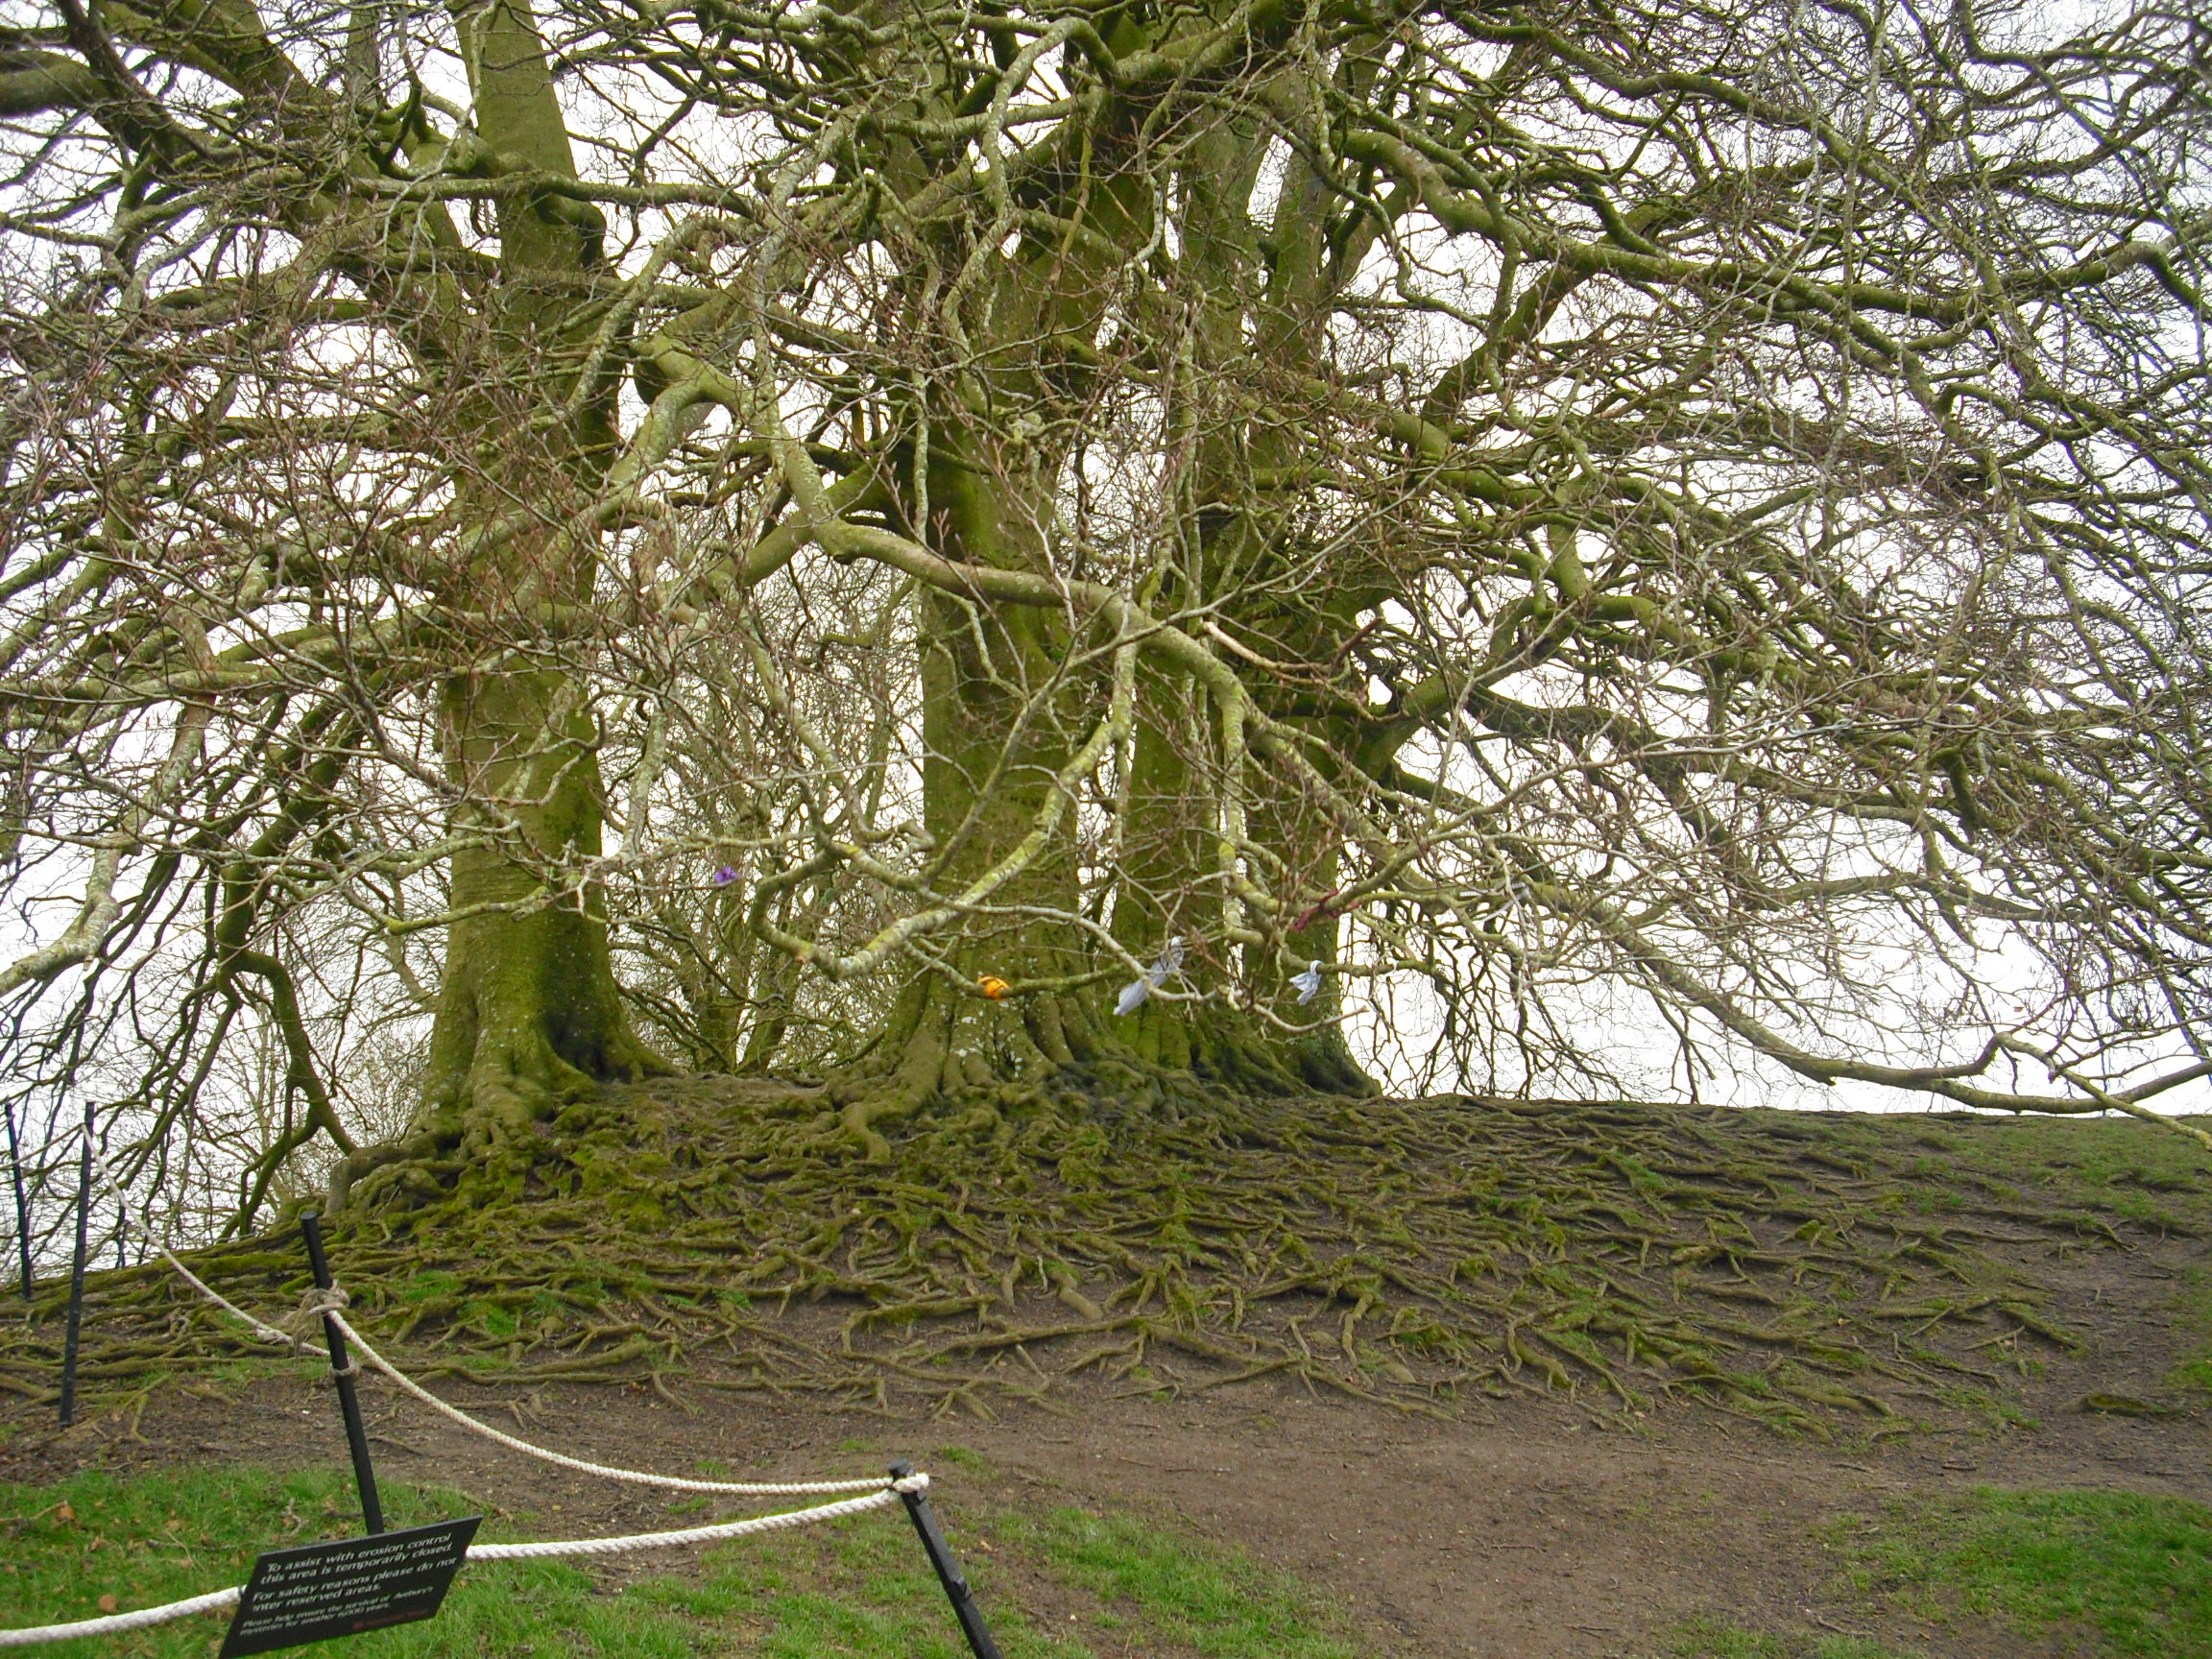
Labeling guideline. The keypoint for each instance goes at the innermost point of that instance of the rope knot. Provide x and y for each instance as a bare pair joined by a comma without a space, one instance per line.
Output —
315,1303
918,1482
316,1300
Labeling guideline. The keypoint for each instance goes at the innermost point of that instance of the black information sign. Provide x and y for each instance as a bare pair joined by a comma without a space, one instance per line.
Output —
318,1591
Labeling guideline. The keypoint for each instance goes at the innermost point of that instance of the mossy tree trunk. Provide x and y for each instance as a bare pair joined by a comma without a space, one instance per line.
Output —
529,1014
994,727
999,701
1175,876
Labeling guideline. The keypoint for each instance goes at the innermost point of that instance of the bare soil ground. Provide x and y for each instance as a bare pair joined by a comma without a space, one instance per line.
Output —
1530,1528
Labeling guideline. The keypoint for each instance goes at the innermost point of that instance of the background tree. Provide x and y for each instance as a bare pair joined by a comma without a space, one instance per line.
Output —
1561,504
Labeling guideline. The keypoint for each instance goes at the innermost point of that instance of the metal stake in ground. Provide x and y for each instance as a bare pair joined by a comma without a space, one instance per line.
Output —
948,1572
74,1328
22,1202
341,1373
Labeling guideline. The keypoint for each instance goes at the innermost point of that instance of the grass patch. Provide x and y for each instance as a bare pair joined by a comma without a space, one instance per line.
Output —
164,1537
2193,1317
2130,1170
1708,1638
1064,1584
2112,1572
1217,1603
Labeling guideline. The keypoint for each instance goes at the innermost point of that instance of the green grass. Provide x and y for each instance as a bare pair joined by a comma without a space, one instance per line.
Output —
2120,1573
2147,1174
1220,1605
161,1538
1061,1584
1706,1639
2193,1318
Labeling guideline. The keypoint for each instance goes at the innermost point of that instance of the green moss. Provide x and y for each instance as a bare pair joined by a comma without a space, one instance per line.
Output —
1626,1242
494,1321
2193,1375
2158,1180
431,1283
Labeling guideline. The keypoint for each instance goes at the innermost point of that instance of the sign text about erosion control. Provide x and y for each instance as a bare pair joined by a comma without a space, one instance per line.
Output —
323,1590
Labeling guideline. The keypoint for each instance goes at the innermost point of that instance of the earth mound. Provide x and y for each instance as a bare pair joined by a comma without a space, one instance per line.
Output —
1792,1266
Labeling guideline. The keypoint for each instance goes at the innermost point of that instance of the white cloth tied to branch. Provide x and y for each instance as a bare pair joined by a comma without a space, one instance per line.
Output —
1135,994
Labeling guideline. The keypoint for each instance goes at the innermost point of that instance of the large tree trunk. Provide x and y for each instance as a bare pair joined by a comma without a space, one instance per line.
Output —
997,699
995,734
529,1015
998,723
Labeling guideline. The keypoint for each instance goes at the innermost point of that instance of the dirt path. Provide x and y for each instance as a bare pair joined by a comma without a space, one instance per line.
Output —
1531,1533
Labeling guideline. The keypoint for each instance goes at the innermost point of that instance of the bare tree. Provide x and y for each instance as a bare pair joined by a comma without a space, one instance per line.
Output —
1069,543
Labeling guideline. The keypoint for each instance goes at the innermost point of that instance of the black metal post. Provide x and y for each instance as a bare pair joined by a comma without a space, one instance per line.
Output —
948,1572
22,1203
73,1329
342,1375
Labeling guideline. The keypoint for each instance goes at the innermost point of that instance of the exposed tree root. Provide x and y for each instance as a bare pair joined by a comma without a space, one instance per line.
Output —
1788,1266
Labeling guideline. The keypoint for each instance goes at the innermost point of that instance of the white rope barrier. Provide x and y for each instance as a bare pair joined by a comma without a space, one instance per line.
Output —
217,1601
891,1493
145,1224
675,1483
331,1303
877,1492
116,1623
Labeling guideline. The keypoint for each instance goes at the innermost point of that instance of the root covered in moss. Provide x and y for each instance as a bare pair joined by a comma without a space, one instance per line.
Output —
1793,1266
